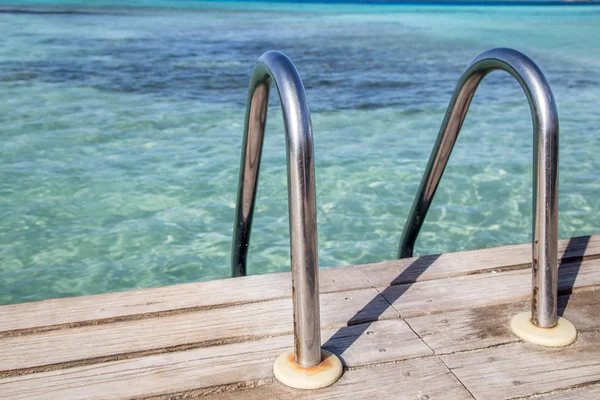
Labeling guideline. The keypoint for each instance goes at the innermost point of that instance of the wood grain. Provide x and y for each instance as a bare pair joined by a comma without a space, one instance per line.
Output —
194,296
203,369
582,393
524,369
220,338
202,328
249,321
482,289
87,310
449,265
410,380
489,326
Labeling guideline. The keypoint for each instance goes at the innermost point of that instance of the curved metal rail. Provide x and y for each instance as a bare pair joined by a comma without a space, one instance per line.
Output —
545,169
275,67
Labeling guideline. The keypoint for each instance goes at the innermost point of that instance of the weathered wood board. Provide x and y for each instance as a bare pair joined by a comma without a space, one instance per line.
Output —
205,368
110,307
481,289
422,328
521,369
183,331
145,303
583,393
449,265
489,326
422,379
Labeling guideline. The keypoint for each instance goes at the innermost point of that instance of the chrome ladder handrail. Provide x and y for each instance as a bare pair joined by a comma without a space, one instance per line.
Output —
545,169
275,67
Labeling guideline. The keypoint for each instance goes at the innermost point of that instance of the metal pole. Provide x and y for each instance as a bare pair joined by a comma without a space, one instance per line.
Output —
275,67
545,169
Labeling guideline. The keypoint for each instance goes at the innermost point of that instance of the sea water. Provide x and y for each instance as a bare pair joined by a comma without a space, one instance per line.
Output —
121,128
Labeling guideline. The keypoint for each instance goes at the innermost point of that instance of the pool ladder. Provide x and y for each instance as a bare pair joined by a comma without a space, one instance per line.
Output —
276,68
540,326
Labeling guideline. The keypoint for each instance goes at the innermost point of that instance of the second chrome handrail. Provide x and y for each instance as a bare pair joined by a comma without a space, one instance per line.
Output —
545,169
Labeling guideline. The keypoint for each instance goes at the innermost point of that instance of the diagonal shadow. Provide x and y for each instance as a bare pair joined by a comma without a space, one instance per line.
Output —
346,336
568,268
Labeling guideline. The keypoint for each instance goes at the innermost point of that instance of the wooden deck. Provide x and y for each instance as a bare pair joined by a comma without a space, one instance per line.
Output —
433,327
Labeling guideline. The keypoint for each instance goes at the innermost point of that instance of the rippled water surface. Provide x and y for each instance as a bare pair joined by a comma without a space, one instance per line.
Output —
121,133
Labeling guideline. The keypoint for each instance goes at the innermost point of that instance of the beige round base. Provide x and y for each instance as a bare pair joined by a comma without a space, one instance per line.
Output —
563,334
290,374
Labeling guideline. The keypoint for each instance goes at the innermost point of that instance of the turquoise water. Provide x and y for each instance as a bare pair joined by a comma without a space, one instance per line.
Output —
121,132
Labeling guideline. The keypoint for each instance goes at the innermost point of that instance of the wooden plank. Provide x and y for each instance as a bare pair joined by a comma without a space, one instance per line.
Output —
467,262
248,321
482,289
193,350
377,342
186,297
173,332
145,303
583,393
201,370
410,380
489,326
524,369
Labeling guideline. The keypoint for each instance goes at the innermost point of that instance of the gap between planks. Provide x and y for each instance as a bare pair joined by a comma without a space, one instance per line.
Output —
580,392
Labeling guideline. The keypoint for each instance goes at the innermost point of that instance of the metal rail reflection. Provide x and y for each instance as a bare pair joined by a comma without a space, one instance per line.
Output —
275,67
545,169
